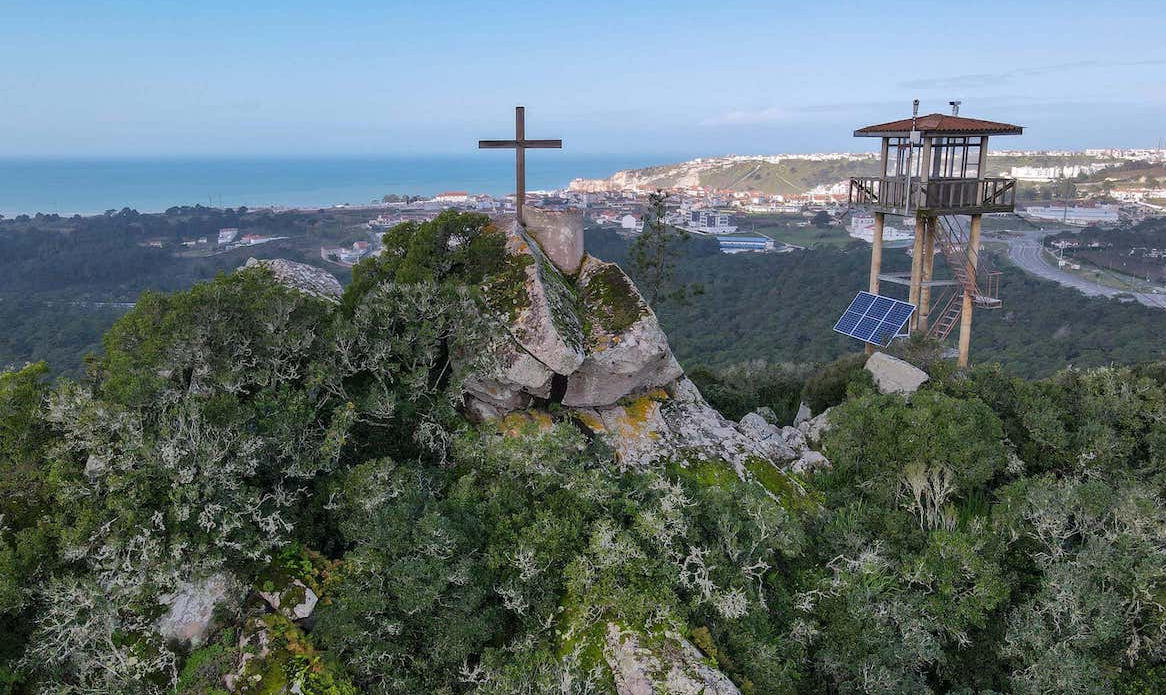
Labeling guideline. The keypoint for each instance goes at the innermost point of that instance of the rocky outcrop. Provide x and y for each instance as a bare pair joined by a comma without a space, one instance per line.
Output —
305,278
622,382
803,414
797,445
678,424
627,352
622,352
893,375
669,665
190,609
517,379
813,429
295,602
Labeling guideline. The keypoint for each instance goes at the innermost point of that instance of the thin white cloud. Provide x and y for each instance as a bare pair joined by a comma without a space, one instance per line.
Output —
988,79
777,114
772,114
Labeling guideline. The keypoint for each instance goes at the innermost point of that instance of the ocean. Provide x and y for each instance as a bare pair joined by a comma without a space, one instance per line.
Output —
88,186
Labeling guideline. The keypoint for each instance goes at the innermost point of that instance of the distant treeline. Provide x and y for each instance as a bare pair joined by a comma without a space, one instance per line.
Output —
780,308
54,269
108,256
773,308
1124,250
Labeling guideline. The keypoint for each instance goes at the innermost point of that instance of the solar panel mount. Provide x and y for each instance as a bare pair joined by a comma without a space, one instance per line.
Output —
873,318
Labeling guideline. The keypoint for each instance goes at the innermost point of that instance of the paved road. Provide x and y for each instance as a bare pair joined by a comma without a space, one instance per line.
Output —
1024,250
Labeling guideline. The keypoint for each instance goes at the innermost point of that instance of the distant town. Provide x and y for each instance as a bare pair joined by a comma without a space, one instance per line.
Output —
729,211
734,199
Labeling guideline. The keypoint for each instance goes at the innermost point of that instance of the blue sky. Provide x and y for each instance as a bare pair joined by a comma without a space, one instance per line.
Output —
156,77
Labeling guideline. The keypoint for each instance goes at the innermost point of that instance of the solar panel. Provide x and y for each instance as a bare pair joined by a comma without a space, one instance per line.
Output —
873,318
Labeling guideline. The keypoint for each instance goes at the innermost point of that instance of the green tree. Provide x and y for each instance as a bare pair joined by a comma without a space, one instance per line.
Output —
654,255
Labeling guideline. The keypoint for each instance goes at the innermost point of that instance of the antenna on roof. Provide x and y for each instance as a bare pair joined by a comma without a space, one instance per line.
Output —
955,107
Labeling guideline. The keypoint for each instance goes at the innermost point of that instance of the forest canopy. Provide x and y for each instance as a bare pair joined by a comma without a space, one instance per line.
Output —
985,535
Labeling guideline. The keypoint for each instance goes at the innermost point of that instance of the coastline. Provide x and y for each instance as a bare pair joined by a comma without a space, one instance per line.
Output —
92,185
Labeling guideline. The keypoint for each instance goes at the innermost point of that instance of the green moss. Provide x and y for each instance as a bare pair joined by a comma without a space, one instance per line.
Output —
612,300
704,473
296,562
506,291
792,495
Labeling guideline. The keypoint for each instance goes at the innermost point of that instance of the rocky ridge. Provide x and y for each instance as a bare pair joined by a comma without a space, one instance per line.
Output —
585,338
582,336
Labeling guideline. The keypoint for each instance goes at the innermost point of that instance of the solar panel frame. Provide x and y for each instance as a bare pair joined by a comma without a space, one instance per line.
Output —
873,318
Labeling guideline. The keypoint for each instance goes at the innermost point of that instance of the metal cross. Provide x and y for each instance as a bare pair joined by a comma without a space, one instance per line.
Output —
520,145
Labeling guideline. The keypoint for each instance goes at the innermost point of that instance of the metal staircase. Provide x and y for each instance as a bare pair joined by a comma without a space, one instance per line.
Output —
981,283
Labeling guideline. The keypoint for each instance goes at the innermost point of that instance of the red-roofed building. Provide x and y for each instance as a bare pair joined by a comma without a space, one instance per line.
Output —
939,124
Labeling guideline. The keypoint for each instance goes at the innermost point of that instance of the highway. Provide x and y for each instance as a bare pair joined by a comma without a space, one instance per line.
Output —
1024,251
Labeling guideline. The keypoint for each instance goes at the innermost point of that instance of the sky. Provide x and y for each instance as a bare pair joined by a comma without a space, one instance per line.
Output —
157,78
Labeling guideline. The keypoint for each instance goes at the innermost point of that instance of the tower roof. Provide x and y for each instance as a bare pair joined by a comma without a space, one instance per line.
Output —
940,124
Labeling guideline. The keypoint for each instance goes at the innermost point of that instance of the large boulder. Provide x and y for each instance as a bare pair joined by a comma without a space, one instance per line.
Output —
542,315
516,379
668,664
803,414
627,352
813,429
810,461
300,276
893,375
559,233
190,608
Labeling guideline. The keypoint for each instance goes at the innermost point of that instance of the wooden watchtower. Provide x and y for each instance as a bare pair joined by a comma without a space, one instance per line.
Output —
934,169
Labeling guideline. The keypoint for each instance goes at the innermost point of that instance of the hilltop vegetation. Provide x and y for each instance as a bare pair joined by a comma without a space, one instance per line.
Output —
985,536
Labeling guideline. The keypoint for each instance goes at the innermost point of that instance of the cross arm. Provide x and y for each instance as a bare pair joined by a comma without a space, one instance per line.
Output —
525,144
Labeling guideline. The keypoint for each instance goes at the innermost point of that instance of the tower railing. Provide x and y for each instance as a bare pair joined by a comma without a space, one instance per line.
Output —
942,195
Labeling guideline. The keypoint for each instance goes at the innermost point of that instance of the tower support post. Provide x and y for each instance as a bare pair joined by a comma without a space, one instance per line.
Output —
966,313
927,272
876,259
917,266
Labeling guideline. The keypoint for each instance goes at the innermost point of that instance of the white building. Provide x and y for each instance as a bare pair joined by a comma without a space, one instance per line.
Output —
1053,173
739,244
228,234
1080,216
862,227
705,221
1134,195
633,223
